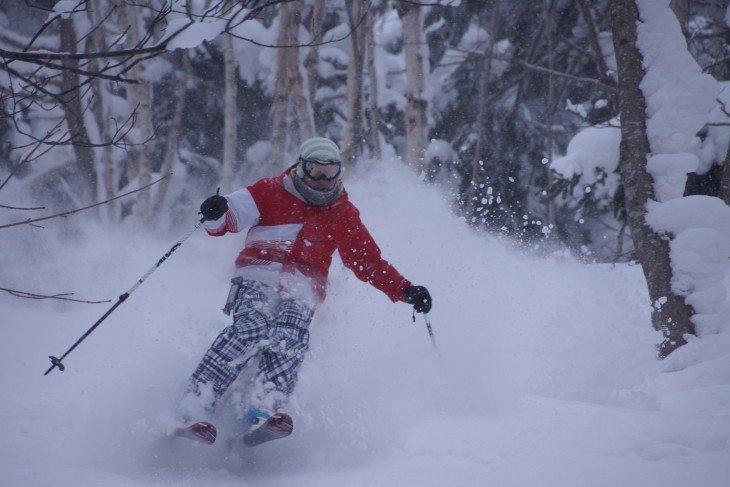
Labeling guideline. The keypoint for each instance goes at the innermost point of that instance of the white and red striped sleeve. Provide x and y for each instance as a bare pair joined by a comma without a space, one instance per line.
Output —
242,213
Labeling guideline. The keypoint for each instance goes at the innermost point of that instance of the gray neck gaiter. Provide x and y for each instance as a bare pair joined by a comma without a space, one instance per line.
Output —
311,196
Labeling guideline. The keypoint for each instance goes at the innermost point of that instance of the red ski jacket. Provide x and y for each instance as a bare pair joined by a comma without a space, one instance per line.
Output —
284,229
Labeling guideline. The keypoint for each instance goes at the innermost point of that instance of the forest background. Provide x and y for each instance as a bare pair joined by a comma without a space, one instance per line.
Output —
135,112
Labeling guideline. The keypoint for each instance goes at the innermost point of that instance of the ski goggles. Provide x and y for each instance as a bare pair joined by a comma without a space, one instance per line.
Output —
321,170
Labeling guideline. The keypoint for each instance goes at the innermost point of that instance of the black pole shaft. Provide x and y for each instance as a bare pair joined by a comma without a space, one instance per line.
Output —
57,362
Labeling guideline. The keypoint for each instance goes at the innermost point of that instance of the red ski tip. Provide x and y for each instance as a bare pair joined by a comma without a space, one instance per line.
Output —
202,431
277,426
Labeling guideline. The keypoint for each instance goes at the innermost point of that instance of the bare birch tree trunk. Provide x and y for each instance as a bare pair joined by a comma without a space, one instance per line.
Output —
295,82
416,104
109,178
725,179
139,98
312,59
477,163
549,111
98,39
173,136
354,130
229,120
281,97
74,111
670,314
144,114
374,116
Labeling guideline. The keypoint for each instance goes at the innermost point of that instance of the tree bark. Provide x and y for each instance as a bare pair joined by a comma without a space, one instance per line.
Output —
74,112
295,82
140,99
416,104
229,120
477,163
374,115
281,97
670,314
549,111
725,179
312,59
173,136
354,129
97,41
289,86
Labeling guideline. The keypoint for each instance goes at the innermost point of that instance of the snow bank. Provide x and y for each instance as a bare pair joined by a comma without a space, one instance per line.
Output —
546,361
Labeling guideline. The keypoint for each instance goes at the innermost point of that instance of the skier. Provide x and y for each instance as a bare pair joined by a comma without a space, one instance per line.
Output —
295,223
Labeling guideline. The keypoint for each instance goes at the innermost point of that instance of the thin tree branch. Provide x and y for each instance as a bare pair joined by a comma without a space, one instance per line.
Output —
310,44
445,3
61,296
581,79
31,156
18,208
71,212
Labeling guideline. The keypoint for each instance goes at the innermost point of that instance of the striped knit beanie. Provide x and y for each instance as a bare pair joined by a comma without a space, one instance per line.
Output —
319,149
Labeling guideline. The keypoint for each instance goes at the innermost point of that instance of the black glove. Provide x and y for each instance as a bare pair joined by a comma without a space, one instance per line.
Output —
419,297
214,207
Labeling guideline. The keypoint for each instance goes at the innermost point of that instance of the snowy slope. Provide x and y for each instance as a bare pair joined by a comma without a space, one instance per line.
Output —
544,373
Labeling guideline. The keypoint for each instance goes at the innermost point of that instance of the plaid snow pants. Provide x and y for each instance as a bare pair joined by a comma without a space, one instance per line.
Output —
266,324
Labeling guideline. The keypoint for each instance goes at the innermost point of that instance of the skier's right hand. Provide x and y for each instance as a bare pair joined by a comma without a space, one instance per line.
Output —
214,207
419,297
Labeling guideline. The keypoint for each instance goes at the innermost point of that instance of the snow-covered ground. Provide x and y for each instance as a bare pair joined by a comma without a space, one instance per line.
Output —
544,373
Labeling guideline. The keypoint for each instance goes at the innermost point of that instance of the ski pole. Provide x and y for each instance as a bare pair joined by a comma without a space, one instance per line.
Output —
57,362
428,326
430,330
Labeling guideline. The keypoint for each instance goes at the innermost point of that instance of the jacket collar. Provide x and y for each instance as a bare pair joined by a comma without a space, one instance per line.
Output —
302,192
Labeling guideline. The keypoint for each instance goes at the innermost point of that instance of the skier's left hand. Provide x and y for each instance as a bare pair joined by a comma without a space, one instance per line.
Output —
419,297
214,207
